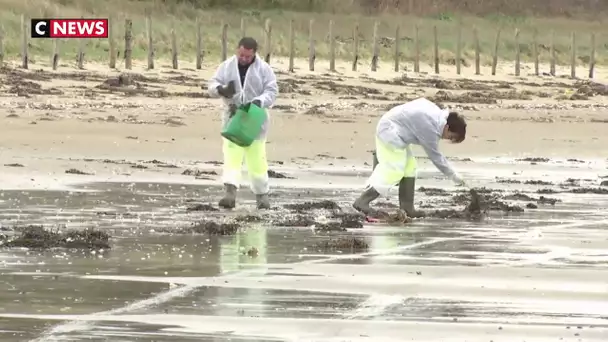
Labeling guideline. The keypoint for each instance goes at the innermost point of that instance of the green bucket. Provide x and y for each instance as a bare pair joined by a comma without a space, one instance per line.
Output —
246,125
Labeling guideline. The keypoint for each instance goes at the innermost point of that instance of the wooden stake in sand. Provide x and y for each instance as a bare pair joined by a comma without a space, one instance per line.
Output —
150,42
397,47
536,56
591,57
332,47
416,49
268,41
24,42
459,47
375,51
355,47
128,43
477,52
292,45
573,56
199,45
311,46
1,45
80,56
517,54
243,27
112,43
495,56
174,53
553,54
436,49
55,55
224,41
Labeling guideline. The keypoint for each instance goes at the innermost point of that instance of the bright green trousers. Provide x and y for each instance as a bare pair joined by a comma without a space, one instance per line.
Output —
255,161
393,164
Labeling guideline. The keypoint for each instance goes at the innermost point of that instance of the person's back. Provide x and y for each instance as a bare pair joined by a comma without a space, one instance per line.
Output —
411,123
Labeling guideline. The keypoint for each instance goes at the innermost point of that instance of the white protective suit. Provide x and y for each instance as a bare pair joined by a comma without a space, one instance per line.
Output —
419,122
260,84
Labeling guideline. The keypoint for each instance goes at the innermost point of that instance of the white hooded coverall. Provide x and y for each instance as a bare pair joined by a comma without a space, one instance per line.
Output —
260,84
419,122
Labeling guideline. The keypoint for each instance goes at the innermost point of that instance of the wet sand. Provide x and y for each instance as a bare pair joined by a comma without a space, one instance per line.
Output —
533,275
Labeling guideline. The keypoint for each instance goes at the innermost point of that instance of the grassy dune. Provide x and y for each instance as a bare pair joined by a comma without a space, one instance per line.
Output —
183,14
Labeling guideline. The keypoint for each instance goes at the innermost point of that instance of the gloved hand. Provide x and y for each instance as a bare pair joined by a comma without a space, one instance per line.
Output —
459,181
257,103
232,109
462,183
227,91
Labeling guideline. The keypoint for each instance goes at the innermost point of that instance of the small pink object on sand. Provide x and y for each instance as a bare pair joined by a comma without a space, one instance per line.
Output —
371,219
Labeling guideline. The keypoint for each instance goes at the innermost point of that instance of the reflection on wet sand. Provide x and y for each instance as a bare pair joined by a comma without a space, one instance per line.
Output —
278,284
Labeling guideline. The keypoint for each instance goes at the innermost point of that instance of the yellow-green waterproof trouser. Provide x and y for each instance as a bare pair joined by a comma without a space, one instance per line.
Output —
255,160
393,164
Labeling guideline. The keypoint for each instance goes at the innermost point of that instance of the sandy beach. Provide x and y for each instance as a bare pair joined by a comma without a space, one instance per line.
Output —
68,118
136,156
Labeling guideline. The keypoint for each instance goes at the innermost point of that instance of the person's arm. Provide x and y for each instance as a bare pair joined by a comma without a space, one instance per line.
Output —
428,137
440,161
216,81
271,89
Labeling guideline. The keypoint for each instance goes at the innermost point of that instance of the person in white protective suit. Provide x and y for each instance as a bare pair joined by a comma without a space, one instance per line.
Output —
418,122
242,79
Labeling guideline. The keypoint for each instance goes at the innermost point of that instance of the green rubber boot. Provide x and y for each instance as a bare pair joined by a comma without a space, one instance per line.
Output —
229,199
407,190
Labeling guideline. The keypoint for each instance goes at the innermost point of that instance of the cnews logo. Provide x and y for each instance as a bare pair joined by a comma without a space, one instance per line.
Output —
69,28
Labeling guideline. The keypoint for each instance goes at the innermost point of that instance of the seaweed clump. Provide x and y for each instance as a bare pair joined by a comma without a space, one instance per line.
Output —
475,210
350,243
211,228
37,237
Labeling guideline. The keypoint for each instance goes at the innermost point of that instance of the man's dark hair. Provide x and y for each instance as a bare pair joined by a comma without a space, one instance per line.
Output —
249,43
457,124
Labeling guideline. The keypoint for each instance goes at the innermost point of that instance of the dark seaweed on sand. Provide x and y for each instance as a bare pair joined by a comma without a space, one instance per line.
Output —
37,237
350,243
308,206
211,228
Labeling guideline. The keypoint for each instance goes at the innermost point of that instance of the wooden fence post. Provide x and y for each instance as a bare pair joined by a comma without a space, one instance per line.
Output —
495,56
517,54
199,45
292,45
150,42
355,47
24,43
1,45
477,52
459,47
332,47
416,49
112,43
573,56
128,43
80,56
224,28
174,52
553,54
436,49
311,46
592,57
536,54
268,43
375,51
397,48
55,55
